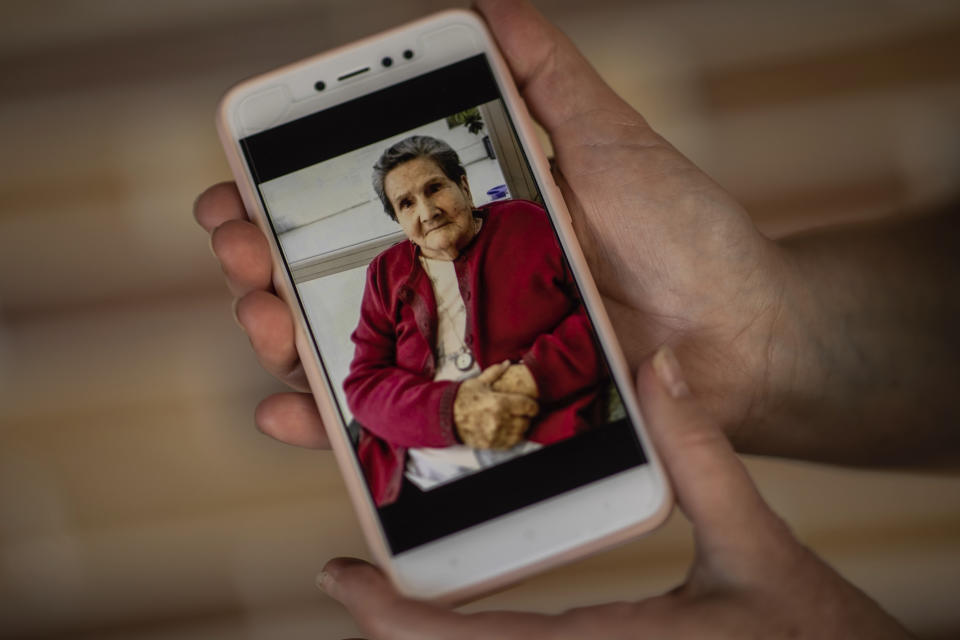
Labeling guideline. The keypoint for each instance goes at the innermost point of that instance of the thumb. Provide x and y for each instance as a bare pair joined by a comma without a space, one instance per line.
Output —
386,615
378,608
712,486
492,373
545,65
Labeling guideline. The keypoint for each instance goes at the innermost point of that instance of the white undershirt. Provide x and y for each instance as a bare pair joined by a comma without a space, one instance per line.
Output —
430,467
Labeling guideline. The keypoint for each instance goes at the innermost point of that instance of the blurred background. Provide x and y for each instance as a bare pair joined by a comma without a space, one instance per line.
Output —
137,500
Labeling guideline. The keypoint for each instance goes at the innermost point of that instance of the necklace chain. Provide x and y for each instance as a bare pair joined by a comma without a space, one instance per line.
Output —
463,358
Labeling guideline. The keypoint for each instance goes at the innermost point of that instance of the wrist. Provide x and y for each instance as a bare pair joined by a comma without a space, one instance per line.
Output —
799,363
770,367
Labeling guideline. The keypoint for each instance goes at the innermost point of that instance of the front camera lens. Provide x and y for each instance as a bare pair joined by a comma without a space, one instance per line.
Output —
408,54
320,85
387,61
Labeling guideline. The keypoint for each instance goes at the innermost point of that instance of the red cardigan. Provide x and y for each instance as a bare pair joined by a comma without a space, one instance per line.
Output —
522,305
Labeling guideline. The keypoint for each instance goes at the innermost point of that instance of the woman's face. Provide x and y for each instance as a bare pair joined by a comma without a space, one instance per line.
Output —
434,212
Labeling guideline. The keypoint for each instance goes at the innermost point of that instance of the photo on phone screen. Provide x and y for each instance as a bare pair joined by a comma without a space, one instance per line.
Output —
425,263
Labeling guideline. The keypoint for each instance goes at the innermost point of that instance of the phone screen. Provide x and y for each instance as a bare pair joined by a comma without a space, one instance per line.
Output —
422,256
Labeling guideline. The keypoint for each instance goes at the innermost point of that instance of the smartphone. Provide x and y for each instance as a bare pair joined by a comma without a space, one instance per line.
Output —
475,396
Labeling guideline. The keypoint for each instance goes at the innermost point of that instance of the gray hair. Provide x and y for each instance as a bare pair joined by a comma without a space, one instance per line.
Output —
409,149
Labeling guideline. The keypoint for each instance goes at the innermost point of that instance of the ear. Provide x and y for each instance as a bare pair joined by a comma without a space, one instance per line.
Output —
465,187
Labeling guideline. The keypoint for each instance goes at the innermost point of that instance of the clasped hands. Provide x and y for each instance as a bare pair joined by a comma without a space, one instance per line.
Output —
493,410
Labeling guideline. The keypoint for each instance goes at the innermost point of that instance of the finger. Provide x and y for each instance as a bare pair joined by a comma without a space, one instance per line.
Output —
492,373
292,418
386,615
268,324
516,379
378,608
520,425
244,256
218,204
545,64
520,405
711,484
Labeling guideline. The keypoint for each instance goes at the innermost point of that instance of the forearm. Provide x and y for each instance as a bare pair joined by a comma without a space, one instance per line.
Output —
864,365
402,408
565,361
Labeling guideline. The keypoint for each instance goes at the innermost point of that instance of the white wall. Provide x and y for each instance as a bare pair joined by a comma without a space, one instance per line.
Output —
332,305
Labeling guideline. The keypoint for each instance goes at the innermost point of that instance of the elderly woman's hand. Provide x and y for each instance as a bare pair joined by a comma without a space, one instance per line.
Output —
489,419
517,379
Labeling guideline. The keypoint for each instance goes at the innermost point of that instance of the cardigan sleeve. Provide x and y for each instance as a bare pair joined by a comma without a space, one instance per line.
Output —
399,404
566,361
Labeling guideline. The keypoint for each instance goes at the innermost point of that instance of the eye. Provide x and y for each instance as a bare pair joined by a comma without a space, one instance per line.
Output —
433,187
404,203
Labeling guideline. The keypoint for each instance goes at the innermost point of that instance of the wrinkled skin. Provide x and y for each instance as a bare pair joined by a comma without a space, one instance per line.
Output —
489,419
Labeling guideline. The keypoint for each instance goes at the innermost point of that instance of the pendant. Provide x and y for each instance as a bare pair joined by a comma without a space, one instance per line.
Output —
463,361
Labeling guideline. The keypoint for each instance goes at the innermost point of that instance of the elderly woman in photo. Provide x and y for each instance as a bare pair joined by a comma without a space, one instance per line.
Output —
473,346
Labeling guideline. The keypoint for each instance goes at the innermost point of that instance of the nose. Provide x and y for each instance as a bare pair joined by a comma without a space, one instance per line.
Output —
426,211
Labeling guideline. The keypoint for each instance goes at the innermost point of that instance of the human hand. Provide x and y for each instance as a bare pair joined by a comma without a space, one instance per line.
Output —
675,257
750,577
244,256
517,379
490,419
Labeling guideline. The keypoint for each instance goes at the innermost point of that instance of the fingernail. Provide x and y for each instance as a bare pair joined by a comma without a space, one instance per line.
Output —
668,371
324,581
193,207
236,318
210,244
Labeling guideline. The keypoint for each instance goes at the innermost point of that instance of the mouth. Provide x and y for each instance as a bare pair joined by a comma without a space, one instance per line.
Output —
436,228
